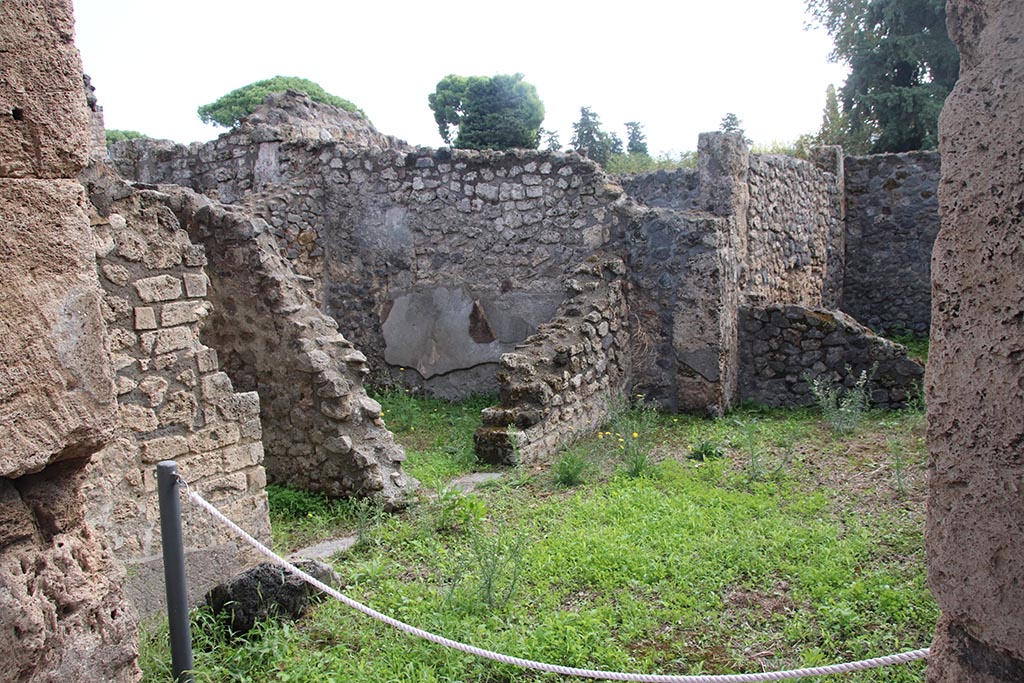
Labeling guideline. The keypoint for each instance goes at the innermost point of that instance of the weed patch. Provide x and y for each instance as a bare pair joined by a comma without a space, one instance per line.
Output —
842,408
721,563
570,467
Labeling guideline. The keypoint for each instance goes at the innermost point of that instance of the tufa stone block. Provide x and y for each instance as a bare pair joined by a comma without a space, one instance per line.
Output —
195,285
145,318
182,312
44,125
164,448
158,288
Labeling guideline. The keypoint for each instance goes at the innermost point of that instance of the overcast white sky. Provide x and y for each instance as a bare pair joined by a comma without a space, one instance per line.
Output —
675,66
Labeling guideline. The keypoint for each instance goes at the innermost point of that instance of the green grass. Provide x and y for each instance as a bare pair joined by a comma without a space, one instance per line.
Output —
695,567
437,434
917,345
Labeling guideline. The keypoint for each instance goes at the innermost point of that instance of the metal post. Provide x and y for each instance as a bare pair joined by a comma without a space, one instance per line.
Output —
174,571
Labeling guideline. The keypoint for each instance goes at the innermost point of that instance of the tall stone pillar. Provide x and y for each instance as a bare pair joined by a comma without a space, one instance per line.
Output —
63,615
975,527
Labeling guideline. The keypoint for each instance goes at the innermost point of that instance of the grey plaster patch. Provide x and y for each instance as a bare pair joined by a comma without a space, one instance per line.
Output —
430,331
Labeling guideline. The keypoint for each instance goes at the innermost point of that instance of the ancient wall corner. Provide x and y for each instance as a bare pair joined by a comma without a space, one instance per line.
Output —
174,402
560,383
321,431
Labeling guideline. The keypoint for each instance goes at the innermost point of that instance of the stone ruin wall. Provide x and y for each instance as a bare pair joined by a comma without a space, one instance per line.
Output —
795,224
467,253
63,611
174,403
892,219
435,261
785,346
682,300
677,189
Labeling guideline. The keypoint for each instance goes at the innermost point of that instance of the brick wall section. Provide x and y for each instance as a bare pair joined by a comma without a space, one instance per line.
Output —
321,432
892,219
558,384
781,346
174,401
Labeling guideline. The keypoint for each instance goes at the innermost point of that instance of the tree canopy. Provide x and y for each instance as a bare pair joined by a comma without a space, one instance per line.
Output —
229,110
636,140
480,112
902,67
588,137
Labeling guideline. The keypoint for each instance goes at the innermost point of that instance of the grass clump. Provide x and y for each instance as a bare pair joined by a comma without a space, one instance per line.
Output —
301,518
487,575
633,428
705,450
570,467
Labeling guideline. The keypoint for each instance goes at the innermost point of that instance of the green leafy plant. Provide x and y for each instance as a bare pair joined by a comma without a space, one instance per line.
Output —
287,502
114,135
642,163
457,511
400,410
366,513
489,573
632,428
898,452
570,467
842,408
705,449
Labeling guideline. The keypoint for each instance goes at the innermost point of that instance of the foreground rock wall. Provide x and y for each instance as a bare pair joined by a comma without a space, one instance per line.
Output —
784,347
561,382
892,218
174,401
63,612
321,431
975,526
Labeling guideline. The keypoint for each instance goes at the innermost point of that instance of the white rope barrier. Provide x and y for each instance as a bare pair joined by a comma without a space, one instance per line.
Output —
542,666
